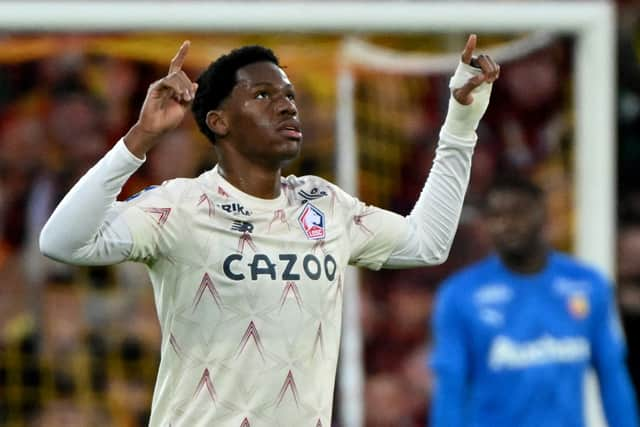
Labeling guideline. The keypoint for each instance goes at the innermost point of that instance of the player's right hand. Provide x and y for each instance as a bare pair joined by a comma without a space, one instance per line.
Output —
164,107
169,98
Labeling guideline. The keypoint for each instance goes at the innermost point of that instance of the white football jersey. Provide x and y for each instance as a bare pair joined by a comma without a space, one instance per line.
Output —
249,295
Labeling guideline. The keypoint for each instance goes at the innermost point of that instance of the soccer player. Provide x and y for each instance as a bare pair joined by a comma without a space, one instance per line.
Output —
247,266
516,332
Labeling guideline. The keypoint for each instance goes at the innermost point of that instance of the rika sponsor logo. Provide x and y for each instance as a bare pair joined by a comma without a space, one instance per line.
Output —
235,209
508,354
312,222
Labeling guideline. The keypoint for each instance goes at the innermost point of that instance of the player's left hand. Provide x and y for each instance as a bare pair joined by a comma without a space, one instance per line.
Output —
490,71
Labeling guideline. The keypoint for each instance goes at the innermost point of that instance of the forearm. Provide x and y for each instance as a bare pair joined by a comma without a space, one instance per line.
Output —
84,228
139,141
434,219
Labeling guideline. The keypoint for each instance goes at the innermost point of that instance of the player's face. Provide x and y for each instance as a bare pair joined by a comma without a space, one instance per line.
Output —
262,112
515,221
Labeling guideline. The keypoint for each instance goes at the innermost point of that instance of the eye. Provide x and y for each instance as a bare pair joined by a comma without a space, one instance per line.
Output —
291,96
262,95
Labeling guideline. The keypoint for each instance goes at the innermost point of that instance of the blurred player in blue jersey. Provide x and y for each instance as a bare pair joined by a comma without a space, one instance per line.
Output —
516,332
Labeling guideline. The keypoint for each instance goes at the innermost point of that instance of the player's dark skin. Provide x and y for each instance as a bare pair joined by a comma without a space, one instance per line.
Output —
257,128
257,125
516,221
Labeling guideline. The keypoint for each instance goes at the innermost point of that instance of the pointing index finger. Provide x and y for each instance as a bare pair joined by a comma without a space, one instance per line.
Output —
178,60
467,53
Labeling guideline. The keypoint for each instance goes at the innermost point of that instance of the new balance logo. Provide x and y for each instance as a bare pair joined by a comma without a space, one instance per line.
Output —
242,226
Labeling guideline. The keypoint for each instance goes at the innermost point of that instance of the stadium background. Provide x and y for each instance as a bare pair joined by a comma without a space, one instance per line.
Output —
78,346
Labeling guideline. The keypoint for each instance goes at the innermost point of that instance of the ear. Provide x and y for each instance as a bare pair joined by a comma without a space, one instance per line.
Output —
218,123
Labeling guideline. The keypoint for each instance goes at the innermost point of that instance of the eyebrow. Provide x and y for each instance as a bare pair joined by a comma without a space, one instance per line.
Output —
287,86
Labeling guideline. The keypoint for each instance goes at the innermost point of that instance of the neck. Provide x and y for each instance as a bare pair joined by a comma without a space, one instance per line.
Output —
532,261
254,179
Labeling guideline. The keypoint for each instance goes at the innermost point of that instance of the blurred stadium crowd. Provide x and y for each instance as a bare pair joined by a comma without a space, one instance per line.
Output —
79,346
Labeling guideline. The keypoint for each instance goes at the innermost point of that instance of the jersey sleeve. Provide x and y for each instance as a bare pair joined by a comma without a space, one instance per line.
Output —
435,216
372,233
434,219
608,357
88,227
449,360
153,219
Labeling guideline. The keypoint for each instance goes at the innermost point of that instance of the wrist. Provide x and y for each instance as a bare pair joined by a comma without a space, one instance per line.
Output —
463,120
139,141
460,121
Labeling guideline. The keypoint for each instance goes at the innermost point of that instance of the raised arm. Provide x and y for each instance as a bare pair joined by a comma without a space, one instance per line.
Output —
87,226
434,218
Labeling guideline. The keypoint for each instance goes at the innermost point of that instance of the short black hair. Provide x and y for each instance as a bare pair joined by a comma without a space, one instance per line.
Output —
519,184
218,80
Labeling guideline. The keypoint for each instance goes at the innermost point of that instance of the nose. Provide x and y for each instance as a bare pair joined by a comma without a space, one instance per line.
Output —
287,106
501,224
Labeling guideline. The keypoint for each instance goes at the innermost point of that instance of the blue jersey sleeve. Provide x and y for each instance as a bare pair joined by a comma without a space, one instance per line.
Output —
609,361
449,361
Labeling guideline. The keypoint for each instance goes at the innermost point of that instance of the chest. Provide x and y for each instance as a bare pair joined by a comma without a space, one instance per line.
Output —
297,242
517,329
525,314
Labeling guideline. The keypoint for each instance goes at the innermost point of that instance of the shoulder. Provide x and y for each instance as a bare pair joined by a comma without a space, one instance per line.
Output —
307,183
180,185
575,275
568,265
462,284
311,188
172,190
471,274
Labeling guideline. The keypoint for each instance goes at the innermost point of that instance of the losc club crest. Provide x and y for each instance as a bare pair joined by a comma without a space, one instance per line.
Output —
312,222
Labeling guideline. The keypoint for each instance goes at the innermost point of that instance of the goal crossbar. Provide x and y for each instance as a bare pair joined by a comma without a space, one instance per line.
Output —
591,23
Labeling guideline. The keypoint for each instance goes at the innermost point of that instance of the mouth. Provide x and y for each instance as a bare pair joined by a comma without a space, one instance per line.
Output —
514,241
290,129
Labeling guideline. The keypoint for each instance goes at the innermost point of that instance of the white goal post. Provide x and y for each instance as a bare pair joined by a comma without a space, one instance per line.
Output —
592,23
